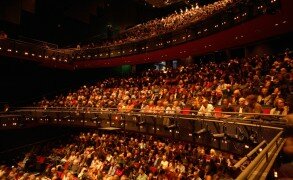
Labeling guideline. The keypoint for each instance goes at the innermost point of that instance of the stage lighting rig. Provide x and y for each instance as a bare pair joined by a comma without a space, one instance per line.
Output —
219,135
253,137
141,123
238,136
66,117
172,126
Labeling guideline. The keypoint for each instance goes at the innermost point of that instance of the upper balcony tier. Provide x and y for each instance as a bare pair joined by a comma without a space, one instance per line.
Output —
237,23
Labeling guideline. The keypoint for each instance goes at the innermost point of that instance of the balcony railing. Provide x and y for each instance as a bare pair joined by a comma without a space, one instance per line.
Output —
257,140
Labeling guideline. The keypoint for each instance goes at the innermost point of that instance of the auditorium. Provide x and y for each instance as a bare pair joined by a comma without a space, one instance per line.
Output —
146,89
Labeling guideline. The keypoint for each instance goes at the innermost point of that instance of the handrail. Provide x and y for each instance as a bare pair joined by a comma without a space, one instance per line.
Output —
231,120
268,168
254,163
40,42
241,161
92,109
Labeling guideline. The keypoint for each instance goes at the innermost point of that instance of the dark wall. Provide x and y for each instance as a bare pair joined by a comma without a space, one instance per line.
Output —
273,46
23,82
16,142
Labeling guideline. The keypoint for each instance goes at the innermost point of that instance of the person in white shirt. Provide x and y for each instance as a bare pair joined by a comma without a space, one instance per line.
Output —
164,163
206,109
176,108
241,107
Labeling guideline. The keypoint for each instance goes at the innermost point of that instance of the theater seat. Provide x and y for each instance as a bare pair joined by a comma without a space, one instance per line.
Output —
266,110
218,112
185,111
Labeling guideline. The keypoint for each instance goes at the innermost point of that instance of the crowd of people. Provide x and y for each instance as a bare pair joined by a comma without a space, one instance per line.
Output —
175,21
91,156
238,85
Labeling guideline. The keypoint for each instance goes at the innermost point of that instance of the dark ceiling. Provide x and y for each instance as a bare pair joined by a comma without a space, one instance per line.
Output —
67,22
70,21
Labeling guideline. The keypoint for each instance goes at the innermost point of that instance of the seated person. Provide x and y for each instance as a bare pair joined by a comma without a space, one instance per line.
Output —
241,107
253,107
206,109
264,98
280,108
226,107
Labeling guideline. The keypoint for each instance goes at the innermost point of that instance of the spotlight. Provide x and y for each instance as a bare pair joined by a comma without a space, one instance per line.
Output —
140,123
201,131
275,174
172,126
220,135
253,138
224,141
44,116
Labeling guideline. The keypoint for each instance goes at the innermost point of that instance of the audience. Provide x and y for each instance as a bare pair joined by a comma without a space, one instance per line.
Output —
167,24
108,156
280,108
247,85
